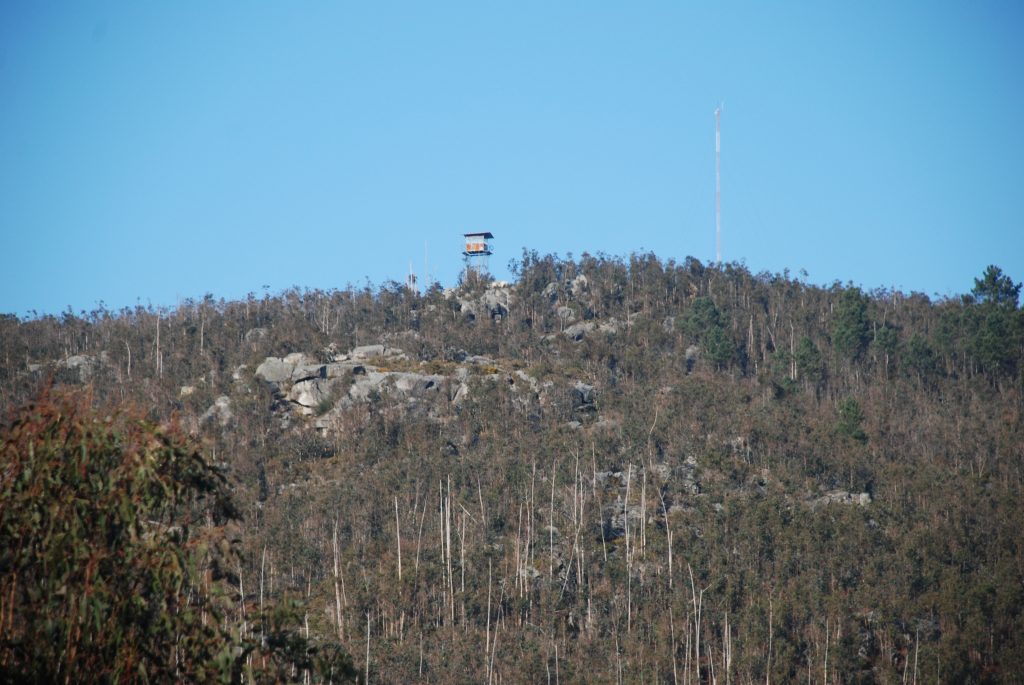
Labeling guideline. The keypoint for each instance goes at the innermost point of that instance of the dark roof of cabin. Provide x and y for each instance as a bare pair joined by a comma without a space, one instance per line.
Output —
487,235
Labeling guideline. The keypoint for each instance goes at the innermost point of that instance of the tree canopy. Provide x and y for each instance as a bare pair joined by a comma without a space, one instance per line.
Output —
995,287
641,471
117,554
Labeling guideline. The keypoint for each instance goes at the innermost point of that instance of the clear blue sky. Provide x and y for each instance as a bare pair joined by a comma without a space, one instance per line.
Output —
153,151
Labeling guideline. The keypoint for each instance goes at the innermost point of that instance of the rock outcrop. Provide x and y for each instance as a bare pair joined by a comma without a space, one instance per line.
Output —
219,411
676,483
577,331
584,399
82,365
299,381
492,303
861,499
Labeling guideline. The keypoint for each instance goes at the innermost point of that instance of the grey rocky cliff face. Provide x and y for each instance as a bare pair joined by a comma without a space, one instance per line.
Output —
405,384
275,370
302,386
315,387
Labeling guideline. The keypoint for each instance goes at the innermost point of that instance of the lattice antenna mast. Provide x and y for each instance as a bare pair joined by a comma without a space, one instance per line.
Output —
718,185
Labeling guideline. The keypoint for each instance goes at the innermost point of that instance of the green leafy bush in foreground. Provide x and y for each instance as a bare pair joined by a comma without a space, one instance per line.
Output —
116,558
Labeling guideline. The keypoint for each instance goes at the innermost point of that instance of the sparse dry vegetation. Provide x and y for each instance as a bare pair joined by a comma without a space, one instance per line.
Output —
727,477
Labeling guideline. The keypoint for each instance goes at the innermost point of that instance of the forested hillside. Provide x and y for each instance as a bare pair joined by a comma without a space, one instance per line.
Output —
604,471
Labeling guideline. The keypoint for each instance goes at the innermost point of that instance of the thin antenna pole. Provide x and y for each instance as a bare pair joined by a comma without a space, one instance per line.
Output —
718,185
426,266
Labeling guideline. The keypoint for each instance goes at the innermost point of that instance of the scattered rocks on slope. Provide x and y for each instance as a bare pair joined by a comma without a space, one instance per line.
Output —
254,335
861,499
687,476
367,352
313,387
493,302
675,483
219,411
579,285
530,380
568,290
275,370
310,393
617,515
82,365
578,331
583,398
551,292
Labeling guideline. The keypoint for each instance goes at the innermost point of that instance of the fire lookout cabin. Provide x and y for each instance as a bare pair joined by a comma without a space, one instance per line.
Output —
478,249
477,244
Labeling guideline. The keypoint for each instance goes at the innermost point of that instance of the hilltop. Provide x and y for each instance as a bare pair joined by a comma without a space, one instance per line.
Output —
604,470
